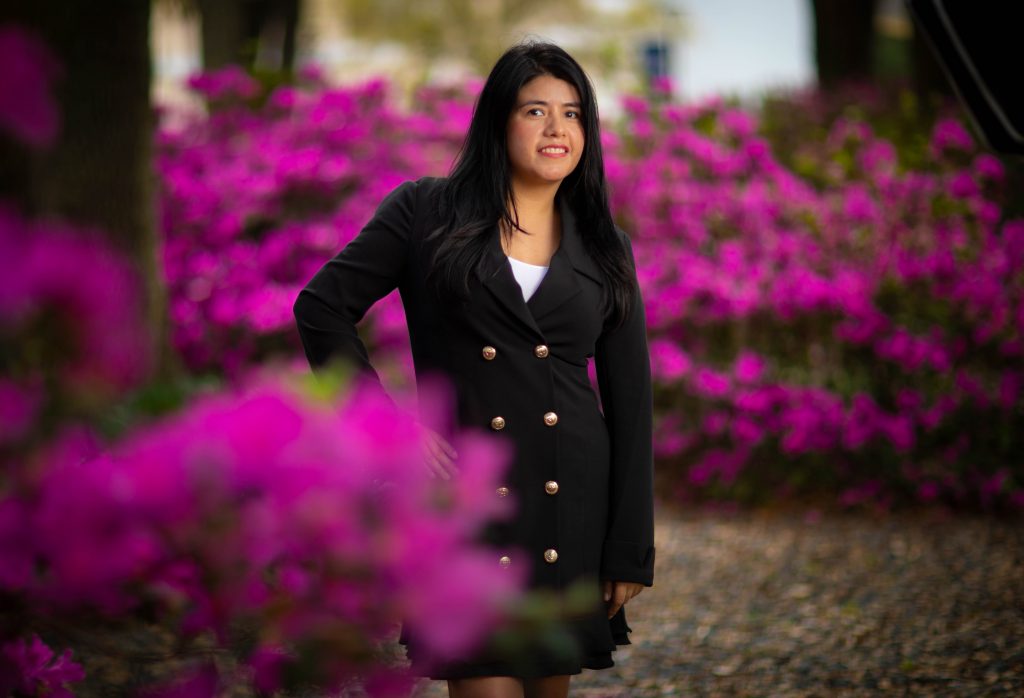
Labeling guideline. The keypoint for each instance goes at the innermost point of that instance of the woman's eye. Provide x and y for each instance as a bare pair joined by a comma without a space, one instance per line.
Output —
573,114
536,110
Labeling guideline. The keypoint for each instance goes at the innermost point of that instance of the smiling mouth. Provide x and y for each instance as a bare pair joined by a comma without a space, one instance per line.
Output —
555,150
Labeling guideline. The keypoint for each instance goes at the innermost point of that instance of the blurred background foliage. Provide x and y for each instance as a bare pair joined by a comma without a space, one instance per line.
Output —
871,69
833,271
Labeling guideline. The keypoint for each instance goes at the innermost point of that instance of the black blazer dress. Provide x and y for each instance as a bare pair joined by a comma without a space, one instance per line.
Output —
581,477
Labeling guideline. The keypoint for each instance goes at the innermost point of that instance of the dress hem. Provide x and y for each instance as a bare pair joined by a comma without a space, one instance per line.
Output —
594,662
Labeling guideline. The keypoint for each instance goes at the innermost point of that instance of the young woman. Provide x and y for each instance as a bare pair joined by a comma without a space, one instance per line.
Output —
513,276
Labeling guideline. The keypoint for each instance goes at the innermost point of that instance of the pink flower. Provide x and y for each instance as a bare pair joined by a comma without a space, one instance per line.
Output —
29,667
1009,390
662,84
311,518
738,123
928,491
710,383
19,407
747,431
858,205
87,294
668,362
963,185
949,133
17,556
225,83
988,166
749,367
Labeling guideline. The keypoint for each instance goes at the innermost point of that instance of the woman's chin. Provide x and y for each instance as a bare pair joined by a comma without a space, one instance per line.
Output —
545,177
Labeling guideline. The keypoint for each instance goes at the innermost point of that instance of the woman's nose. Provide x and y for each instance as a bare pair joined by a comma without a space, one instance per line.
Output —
556,124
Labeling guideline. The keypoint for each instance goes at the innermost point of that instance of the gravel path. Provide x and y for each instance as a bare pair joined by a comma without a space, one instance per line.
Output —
798,604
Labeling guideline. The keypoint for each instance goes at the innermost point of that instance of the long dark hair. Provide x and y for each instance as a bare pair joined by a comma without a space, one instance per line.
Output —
478,190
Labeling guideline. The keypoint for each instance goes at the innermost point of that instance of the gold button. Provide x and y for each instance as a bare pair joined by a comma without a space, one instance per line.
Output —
505,561
541,351
551,487
489,352
550,418
498,423
550,555
502,491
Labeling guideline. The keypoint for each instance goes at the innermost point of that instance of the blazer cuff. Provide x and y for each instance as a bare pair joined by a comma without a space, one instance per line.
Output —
624,561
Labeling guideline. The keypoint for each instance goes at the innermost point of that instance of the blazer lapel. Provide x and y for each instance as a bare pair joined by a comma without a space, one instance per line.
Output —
501,282
559,284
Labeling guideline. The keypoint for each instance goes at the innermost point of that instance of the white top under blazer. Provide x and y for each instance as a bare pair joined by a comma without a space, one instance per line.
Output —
528,276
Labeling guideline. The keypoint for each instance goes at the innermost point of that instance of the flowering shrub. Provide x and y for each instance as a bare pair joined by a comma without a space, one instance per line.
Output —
866,335
68,321
307,520
256,199
847,316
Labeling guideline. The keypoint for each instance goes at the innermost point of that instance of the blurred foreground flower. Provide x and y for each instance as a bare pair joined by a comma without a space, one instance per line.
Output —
69,318
28,668
313,523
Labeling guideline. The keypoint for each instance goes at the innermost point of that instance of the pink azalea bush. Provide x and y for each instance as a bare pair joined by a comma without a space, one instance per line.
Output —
866,334
68,319
255,199
309,520
845,316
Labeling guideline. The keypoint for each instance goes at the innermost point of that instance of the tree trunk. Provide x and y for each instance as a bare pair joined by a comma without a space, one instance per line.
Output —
99,173
843,38
290,13
929,78
233,29
223,32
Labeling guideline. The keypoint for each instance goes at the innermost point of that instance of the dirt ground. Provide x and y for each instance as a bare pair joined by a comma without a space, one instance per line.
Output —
805,603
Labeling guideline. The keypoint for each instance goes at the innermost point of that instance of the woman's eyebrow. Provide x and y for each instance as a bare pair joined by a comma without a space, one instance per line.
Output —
543,103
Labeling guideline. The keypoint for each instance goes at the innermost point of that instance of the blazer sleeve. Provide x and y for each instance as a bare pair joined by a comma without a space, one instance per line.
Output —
623,367
339,294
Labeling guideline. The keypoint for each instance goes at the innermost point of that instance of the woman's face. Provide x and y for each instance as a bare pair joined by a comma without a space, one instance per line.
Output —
545,132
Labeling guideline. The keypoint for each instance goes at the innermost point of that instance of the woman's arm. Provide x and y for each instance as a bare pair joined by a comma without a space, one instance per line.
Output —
624,379
367,269
338,296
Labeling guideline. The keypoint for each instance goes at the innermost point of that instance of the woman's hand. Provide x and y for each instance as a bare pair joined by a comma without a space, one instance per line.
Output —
618,593
438,455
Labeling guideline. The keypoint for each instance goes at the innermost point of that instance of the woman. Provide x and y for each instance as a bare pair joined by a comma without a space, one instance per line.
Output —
513,275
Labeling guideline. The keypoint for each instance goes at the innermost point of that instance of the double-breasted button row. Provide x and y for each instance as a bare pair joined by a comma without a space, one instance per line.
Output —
550,557
498,423
551,487
541,351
